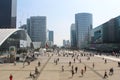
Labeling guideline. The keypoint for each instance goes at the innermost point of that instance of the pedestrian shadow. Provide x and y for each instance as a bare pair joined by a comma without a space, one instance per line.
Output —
80,76
28,77
70,77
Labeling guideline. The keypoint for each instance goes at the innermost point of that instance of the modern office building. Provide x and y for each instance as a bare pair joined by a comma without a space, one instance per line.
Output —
36,28
66,43
8,13
83,24
73,36
51,36
107,35
50,40
108,32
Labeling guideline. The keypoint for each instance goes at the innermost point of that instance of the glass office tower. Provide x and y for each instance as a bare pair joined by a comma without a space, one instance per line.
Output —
83,24
8,13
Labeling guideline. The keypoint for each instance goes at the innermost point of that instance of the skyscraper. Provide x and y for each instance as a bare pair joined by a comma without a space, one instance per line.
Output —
51,36
83,23
73,36
50,39
8,13
36,27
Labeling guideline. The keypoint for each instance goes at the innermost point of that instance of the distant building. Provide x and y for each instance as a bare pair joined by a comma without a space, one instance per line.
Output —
8,13
36,28
50,40
23,27
83,24
73,36
66,43
51,36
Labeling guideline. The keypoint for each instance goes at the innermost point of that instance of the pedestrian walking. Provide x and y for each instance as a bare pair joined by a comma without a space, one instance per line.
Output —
36,70
118,64
30,74
72,67
62,68
111,71
82,72
85,68
56,62
76,69
69,63
74,60
72,72
11,77
93,65
72,56
58,59
105,61
28,62
88,58
39,64
105,75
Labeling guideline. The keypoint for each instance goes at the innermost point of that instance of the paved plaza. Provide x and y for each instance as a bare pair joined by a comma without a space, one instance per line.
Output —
49,70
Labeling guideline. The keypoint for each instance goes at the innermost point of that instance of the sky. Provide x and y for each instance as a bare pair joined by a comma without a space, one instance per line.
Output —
61,13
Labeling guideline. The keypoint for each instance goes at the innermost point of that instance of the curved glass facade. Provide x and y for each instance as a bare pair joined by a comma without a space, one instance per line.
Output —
13,40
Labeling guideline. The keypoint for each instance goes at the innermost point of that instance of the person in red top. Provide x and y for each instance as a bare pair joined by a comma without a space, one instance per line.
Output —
11,77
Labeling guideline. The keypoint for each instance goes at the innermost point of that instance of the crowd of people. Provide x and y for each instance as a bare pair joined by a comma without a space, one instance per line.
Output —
76,58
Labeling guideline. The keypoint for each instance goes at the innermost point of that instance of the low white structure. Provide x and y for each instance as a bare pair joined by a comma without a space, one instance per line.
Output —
36,45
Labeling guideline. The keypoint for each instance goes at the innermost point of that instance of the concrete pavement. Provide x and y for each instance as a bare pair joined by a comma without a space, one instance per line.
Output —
50,71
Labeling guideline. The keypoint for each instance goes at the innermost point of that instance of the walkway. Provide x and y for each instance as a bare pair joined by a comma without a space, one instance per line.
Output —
50,71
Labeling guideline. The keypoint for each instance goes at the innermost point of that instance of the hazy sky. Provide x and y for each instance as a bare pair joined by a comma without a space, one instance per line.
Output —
61,13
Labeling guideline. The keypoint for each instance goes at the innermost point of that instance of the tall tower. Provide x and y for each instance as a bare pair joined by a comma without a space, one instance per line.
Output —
83,23
8,13
73,36
51,36
36,27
